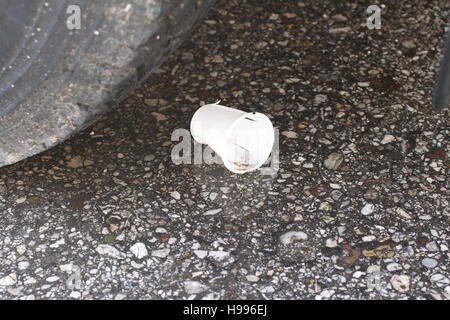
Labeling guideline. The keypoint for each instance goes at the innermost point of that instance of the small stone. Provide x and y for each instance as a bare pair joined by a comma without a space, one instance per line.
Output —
339,18
151,102
290,134
149,157
289,15
75,162
336,195
88,163
252,278
15,291
217,59
58,243
274,16
225,189
393,267
213,196
403,213
66,267
139,250
176,195
29,280
292,80
201,253
292,236
107,250
432,246
327,293
75,295
212,212
21,249
119,182
400,283
194,287
429,263
373,269
333,161
409,44
371,194
52,279
387,139
340,30
162,253
320,98
368,238
211,296
383,251
22,265
367,209
331,243
440,279
120,296
159,116
21,200
219,255
8,280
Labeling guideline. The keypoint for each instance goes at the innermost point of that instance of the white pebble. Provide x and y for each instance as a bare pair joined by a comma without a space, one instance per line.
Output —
8,280
107,250
387,139
219,255
139,250
292,236
21,200
201,253
290,134
162,253
429,263
212,212
400,283
368,238
52,279
393,267
367,209
252,278
331,243
194,287
176,195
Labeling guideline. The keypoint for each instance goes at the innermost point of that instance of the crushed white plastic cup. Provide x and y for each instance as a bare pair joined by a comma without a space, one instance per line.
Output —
244,140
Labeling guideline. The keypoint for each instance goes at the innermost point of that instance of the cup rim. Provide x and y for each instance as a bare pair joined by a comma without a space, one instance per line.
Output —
228,164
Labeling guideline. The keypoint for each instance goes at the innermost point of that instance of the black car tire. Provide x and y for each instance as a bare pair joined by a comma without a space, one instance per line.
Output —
55,81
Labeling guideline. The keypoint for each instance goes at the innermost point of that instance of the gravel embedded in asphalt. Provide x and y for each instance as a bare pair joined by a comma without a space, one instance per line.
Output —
359,208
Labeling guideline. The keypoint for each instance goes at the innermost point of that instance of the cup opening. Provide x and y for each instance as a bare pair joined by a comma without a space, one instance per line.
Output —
248,143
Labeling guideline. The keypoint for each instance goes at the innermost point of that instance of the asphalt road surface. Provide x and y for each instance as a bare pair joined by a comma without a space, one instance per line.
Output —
358,209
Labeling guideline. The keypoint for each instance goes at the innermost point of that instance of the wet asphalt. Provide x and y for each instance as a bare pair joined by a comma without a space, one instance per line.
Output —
358,207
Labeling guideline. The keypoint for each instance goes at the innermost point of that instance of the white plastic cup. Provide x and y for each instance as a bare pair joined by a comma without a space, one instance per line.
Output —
243,140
